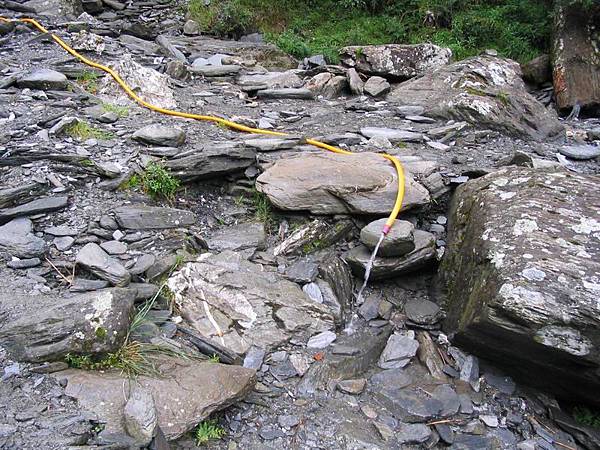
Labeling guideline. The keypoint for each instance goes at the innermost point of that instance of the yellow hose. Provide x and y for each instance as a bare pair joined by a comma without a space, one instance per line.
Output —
233,125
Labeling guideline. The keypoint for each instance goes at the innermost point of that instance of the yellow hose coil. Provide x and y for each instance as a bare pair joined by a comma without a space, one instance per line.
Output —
229,124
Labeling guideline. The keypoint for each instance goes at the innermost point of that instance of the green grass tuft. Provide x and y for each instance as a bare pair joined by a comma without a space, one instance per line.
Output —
158,181
83,130
209,430
263,210
89,80
121,111
586,416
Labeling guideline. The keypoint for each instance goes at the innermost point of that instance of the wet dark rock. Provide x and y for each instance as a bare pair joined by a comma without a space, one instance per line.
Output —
97,261
395,61
445,432
399,241
17,238
46,328
485,91
45,79
550,343
243,236
390,267
160,135
39,206
537,71
152,218
422,312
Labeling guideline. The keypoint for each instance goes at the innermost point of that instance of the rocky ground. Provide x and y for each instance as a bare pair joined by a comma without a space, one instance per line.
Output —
257,257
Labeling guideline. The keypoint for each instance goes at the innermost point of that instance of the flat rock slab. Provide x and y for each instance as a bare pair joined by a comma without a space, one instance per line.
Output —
251,307
327,183
187,393
39,206
97,261
522,274
293,93
47,328
216,71
17,238
45,79
391,134
580,152
153,218
160,135
390,267
238,237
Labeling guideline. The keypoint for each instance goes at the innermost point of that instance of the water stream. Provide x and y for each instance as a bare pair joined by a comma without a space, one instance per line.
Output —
350,328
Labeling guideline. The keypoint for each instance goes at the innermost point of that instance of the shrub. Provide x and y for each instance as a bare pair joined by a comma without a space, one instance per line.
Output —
157,181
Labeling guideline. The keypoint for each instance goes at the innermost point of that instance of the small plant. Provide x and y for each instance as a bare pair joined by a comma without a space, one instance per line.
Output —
239,201
214,358
586,416
89,80
121,111
262,208
83,130
157,181
503,97
209,430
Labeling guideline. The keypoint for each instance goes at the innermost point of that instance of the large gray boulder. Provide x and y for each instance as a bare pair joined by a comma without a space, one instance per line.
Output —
485,91
248,305
328,183
46,79
522,274
395,61
47,328
186,393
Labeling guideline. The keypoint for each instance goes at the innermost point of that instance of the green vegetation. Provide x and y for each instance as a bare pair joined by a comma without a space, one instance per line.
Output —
586,416
83,130
207,431
262,209
121,111
156,180
214,358
519,29
89,80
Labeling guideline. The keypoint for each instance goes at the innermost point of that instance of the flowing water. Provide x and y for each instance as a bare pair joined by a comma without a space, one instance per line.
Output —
350,328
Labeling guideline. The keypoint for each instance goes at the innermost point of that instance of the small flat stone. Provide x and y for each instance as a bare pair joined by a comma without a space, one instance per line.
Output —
238,237
39,206
254,358
470,372
399,241
580,152
143,263
24,263
61,231
302,271
160,135
114,247
391,134
490,420
353,387
97,261
216,71
269,433
376,86
313,291
321,340
45,79
293,93
398,351
63,243
288,421
420,119
17,238
153,218
397,378
422,312
413,433
445,432
83,285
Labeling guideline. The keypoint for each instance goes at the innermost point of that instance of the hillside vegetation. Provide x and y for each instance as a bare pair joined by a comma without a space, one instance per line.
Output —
519,29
